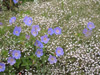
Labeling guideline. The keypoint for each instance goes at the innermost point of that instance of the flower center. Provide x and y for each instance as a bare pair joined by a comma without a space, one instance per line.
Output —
90,25
0,67
87,32
49,31
13,20
59,51
11,60
29,21
52,59
16,54
35,28
38,52
34,32
57,31
16,32
45,38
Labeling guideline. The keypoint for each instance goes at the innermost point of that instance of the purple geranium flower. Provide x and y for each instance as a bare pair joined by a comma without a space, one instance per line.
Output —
87,32
15,1
36,28
12,20
50,31
1,23
45,39
38,44
57,30
90,25
39,52
11,61
16,54
2,67
10,51
17,31
27,37
59,51
25,19
28,21
34,33
52,59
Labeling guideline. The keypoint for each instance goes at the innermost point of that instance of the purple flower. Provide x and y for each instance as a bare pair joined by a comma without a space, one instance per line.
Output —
11,61
27,37
86,32
16,54
17,31
52,59
38,44
90,25
12,20
25,19
34,33
2,67
45,39
57,30
1,23
15,1
39,52
59,51
28,21
50,31
10,51
36,28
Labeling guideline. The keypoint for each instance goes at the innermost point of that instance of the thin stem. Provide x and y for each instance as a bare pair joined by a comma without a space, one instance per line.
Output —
10,3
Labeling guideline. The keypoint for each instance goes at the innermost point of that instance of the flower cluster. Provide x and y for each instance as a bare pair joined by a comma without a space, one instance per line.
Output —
35,30
38,44
27,20
16,54
90,26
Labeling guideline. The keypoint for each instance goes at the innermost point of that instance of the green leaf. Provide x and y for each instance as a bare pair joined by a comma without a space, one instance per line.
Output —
18,61
20,17
4,53
27,12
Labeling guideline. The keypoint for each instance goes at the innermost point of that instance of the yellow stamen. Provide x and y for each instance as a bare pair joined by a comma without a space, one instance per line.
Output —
45,38
49,31
90,25
52,58
38,52
16,32
59,51
57,31
29,21
13,20
34,32
16,54
0,67
11,60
